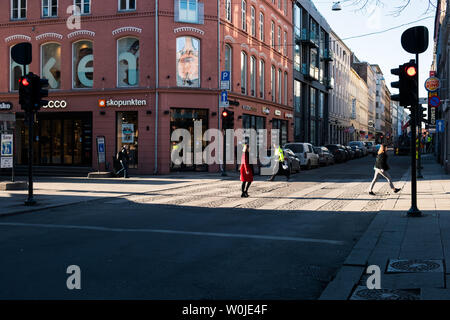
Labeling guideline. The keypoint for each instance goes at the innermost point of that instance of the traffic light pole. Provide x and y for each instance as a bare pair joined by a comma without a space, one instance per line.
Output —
414,211
30,201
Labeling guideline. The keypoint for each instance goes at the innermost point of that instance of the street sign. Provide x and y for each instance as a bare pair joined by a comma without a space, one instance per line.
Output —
224,99
432,84
6,162
101,149
435,101
440,126
7,145
225,80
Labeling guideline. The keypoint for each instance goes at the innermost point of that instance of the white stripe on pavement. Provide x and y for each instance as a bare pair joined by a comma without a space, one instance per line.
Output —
212,234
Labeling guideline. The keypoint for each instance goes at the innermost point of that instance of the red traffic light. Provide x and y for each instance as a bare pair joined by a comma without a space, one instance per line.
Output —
25,82
411,71
224,114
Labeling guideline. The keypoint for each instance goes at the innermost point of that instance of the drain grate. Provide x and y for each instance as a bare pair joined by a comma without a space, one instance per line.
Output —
362,293
415,265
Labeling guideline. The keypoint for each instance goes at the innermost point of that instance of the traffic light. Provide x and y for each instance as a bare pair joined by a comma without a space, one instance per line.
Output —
407,84
39,91
227,119
26,92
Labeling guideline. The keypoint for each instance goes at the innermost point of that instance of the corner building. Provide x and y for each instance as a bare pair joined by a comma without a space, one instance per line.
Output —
133,74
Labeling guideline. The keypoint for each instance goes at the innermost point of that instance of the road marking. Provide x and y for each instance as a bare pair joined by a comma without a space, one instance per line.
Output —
211,234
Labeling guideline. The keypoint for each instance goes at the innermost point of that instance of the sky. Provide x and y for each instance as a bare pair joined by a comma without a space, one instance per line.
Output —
383,49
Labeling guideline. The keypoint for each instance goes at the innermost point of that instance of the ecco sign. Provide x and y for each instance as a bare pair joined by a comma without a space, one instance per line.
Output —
57,104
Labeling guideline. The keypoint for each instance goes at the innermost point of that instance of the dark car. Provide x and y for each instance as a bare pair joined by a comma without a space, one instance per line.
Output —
325,156
352,154
293,161
338,152
358,152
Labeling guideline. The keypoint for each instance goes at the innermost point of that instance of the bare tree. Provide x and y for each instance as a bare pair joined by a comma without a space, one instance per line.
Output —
363,5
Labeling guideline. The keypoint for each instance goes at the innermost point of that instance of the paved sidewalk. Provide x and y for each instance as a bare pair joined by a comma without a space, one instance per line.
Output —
421,244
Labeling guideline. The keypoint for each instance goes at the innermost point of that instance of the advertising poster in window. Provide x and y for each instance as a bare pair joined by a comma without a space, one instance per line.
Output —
128,66
188,62
127,133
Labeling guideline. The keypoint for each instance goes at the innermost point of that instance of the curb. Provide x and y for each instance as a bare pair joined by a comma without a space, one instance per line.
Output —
349,275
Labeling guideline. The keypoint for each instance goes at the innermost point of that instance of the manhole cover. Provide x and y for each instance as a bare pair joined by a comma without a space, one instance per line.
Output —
362,293
416,265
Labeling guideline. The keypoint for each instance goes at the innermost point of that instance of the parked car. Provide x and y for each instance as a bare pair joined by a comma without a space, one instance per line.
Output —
325,156
352,154
369,146
360,145
305,152
359,153
293,160
338,152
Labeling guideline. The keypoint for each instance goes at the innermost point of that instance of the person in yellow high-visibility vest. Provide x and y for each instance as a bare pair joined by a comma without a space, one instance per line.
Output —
282,166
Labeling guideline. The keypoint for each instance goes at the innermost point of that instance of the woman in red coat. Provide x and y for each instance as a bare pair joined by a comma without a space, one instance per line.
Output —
246,172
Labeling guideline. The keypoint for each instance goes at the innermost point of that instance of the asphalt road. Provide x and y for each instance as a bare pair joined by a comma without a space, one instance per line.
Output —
130,250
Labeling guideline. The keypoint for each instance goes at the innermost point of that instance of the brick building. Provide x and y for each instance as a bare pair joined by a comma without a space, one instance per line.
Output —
136,70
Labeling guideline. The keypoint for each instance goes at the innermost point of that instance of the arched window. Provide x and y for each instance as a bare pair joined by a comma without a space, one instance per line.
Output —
128,62
253,76
188,62
262,73
243,72
229,61
228,10
83,64
51,64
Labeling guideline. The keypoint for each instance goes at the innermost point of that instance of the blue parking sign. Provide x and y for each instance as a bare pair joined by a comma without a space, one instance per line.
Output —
225,76
440,126
225,80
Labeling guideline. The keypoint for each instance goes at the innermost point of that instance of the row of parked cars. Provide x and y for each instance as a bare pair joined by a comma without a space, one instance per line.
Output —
305,155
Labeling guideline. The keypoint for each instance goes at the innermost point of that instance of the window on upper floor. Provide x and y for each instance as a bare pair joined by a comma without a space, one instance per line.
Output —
279,39
252,21
188,62
285,43
84,5
49,8
285,7
228,10
83,64
261,26
273,83
18,9
286,88
51,64
297,95
127,5
15,72
244,15
297,58
297,21
189,11
279,4
280,81
243,72
229,60
128,62
272,34
253,76
262,74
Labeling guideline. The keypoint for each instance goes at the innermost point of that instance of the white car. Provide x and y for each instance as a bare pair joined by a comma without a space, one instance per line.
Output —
305,152
360,145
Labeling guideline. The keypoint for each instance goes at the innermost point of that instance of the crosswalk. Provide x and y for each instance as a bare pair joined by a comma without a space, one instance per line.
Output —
331,196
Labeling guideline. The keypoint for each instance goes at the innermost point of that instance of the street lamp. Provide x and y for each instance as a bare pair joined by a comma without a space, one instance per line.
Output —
336,6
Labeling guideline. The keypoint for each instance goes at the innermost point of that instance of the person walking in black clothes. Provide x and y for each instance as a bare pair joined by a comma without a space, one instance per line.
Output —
381,169
123,158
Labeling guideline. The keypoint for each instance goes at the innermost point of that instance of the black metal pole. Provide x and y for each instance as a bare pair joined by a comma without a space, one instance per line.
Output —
224,168
414,211
30,201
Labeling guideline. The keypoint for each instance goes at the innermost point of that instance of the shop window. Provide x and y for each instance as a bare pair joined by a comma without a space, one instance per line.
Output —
188,62
49,8
83,64
84,5
15,72
127,134
127,5
51,64
128,62
18,9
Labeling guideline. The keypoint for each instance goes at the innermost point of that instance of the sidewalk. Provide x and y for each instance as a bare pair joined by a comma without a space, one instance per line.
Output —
413,253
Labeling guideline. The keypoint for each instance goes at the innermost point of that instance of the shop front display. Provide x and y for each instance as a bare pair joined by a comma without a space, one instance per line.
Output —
127,135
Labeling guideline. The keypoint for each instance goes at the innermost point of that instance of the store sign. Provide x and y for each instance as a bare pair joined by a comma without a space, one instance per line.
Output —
265,110
102,103
432,84
248,108
289,115
56,104
6,105
277,112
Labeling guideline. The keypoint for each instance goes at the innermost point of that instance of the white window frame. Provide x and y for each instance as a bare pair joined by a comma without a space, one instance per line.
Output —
253,21
261,26
244,70
82,3
19,10
279,39
244,15
272,34
253,76
228,14
127,6
187,11
50,5
262,74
